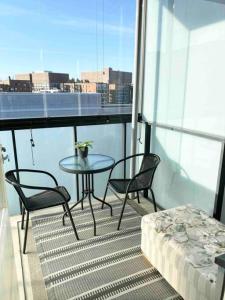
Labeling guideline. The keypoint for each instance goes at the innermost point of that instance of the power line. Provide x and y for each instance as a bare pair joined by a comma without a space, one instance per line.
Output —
103,33
96,30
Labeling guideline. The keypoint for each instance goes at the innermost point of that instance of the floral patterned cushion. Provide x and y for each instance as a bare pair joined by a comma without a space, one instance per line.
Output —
190,238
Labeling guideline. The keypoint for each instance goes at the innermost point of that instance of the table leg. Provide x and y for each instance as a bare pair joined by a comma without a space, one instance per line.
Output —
100,200
89,198
84,195
82,203
88,191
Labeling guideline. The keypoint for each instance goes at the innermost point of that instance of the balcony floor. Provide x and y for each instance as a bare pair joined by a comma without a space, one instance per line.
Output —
31,284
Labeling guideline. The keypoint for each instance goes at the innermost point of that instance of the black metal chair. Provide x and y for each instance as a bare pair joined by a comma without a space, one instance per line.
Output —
48,198
141,181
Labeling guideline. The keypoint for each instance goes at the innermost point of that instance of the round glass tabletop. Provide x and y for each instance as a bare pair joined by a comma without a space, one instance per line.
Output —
93,163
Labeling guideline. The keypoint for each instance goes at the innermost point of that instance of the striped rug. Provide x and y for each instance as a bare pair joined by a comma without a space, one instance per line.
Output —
108,266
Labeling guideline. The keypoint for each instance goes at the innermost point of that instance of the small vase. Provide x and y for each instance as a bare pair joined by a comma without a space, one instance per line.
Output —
83,152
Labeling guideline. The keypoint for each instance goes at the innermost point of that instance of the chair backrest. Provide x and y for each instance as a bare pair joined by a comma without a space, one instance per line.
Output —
12,179
150,161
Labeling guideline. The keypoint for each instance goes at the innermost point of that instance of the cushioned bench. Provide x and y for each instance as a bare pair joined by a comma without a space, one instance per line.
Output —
182,244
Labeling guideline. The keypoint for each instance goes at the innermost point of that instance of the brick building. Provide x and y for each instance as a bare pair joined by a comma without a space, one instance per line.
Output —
15,85
86,87
45,80
70,87
108,75
120,94
93,87
119,84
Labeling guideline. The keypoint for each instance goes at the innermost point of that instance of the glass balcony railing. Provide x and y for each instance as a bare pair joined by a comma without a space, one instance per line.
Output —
189,170
43,105
54,144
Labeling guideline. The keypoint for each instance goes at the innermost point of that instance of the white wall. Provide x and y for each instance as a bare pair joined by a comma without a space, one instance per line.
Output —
8,278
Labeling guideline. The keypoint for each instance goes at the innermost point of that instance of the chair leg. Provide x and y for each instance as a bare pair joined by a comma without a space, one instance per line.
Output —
106,190
153,199
121,215
25,235
138,197
64,215
63,208
23,214
71,219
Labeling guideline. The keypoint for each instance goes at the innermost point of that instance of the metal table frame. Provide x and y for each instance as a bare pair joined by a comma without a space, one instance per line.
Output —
87,191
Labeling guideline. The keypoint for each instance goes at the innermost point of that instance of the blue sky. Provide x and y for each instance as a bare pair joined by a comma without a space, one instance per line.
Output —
66,36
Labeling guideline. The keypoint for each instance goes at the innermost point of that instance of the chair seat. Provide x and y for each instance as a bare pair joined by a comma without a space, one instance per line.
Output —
47,199
120,185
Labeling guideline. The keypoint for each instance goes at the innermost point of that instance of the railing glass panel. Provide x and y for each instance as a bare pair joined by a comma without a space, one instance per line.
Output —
188,171
51,145
37,105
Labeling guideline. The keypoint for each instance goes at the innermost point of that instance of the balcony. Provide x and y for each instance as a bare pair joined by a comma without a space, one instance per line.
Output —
176,114
116,131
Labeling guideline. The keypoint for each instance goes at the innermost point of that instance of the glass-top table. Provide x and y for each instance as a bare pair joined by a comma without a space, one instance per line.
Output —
87,167
93,163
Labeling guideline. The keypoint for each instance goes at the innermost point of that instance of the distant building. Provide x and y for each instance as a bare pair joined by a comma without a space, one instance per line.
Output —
15,85
120,94
24,76
70,87
108,75
114,87
87,87
95,87
45,80
119,84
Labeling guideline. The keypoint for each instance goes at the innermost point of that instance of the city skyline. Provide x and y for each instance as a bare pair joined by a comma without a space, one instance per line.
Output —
49,35
113,85
79,77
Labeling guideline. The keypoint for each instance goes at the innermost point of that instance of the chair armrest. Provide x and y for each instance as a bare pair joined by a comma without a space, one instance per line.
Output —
128,157
43,188
38,171
123,159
